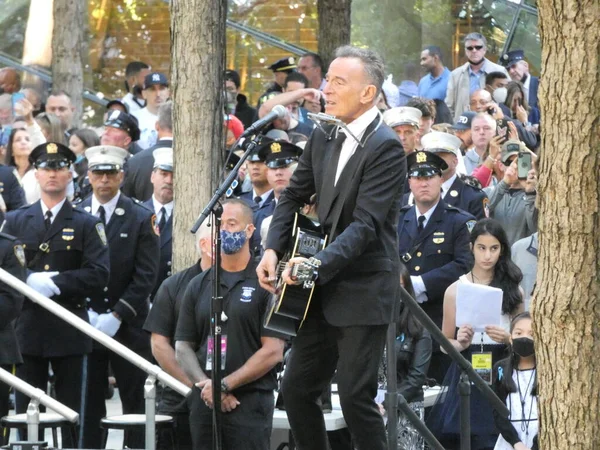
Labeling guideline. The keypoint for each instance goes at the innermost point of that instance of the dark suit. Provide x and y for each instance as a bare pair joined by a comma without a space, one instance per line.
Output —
442,256
357,292
11,302
138,170
166,251
534,86
11,190
134,255
259,215
78,250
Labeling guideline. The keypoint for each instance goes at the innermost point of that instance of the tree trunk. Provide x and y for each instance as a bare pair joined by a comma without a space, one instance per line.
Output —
67,38
565,307
334,26
198,58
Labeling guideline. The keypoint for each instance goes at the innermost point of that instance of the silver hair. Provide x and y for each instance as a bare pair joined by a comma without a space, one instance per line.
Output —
371,60
476,37
165,116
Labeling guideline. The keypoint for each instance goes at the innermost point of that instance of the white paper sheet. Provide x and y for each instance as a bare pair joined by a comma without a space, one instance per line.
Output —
478,305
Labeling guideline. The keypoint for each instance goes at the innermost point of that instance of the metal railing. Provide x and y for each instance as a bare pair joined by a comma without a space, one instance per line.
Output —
37,396
154,372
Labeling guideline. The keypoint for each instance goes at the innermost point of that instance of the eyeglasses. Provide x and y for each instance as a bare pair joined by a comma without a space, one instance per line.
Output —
474,47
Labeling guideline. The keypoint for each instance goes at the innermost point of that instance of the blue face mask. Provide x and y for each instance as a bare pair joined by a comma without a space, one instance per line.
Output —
232,241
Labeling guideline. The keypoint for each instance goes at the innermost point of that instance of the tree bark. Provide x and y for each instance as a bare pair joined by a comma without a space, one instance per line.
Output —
334,26
198,62
566,312
68,36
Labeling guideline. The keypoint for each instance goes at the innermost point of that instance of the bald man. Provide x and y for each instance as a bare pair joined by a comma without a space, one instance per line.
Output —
10,81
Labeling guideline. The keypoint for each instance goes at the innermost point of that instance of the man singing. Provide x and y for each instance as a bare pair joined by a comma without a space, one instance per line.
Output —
357,172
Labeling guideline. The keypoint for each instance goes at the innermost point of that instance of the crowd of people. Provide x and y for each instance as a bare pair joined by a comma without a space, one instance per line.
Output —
428,187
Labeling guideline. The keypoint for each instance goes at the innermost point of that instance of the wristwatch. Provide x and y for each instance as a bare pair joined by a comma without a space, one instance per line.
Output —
224,387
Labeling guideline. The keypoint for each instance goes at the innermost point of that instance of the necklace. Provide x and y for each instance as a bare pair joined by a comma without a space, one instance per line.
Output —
522,398
486,282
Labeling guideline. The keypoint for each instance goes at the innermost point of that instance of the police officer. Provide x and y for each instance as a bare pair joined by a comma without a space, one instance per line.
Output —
457,190
11,192
281,69
12,259
68,260
405,121
121,309
121,130
433,242
262,193
162,205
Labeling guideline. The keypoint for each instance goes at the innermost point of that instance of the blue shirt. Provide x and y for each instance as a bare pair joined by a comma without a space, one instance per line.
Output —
474,79
434,88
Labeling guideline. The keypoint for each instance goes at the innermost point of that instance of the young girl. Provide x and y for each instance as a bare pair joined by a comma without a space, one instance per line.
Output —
515,383
492,267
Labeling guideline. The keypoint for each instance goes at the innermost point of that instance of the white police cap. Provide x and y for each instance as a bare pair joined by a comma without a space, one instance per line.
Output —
403,115
438,142
106,157
163,158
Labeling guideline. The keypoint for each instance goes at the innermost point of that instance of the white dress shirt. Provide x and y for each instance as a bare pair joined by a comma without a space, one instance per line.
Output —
263,198
109,207
357,128
447,184
55,209
158,206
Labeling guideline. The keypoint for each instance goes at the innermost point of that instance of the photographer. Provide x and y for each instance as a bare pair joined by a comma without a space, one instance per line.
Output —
512,202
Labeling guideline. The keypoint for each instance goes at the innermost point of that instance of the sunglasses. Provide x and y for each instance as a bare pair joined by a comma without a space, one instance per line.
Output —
474,47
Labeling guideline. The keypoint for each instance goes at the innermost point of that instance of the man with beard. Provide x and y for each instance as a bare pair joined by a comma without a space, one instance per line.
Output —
435,83
518,69
135,72
469,77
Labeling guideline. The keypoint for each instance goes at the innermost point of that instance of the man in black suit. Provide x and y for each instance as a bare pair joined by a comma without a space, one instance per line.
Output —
68,260
12,259
518,69
120,311
139,168
357,172
162,205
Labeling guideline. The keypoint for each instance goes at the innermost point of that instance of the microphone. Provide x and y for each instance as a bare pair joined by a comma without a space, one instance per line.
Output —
278,112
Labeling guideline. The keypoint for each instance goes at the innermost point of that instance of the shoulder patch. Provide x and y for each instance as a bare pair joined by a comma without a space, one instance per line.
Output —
154,225
471,224
486,207
471,181
452,208
20,254
406,208
101,233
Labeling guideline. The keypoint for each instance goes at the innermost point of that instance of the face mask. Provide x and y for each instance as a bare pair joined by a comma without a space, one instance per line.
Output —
500,94
523,346
232,241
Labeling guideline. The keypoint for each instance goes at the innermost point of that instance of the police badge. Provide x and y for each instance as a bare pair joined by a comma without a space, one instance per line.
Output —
20,254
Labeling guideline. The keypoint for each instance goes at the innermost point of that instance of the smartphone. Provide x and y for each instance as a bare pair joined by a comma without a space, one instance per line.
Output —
523,165
16,97
502,129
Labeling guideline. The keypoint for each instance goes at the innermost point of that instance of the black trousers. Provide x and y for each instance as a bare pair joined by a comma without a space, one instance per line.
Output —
318,350
4,391
247,427
70,384
130,381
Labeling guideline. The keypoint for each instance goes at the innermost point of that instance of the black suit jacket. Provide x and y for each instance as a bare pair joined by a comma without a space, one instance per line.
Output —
534,86
11,190
134,255
166,251
359,274
78,250
138,170
12,259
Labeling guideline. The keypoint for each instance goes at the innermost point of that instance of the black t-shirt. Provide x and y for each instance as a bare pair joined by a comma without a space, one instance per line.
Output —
162,319
245,304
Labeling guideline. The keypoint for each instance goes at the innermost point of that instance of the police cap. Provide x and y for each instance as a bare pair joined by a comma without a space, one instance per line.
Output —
425,164
511,58
279,154
123,121
287,65
51,155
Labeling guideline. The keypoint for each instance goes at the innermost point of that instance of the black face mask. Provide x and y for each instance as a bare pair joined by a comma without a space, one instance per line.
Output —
523,346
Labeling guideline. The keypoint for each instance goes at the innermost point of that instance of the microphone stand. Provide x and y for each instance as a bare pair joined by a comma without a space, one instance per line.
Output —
215,208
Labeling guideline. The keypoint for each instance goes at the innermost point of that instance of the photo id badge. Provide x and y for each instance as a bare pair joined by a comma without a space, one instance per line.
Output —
209,352
482,364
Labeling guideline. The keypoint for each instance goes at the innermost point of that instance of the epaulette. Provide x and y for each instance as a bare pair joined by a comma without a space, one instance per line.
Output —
452,208
470,180
10,237
141,203
406,208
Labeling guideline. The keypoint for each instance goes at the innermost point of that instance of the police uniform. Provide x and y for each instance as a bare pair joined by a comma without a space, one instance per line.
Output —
248,197
12,259
75,246
276,154
245,303
462,193
10,190
287,65
134,253
163,159
439,254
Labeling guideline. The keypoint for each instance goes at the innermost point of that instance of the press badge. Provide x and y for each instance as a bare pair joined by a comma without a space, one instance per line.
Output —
482,364
210,350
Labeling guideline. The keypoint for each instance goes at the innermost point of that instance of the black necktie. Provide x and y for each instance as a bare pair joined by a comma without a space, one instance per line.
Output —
163,219
421,221
48,219
102,214
257,199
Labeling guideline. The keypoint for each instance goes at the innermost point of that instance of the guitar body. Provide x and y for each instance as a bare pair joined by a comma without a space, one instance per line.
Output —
288,308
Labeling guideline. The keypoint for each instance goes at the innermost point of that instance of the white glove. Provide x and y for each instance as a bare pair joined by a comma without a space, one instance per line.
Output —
419,288
108,324
93,317
42,282
422,297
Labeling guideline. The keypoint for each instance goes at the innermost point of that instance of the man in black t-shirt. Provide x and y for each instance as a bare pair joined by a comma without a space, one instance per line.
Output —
161,323
249,351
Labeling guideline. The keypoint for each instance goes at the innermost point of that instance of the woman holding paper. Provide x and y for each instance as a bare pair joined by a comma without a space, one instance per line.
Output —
491,285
